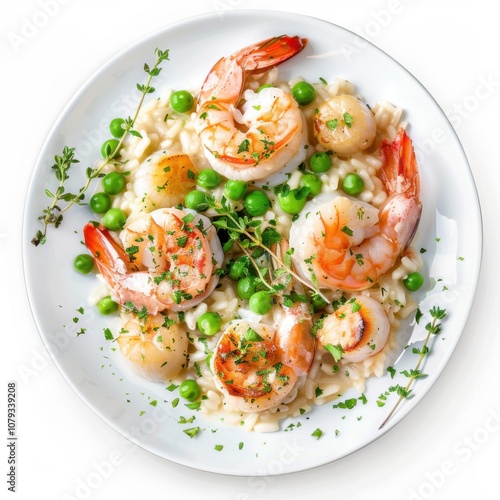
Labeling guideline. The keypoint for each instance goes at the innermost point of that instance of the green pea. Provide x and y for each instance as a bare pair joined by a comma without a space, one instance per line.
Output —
83,263
304,93
109,148
181,101
313,182
196,200
235,190
293,201
114,219
209,323
100,203
117,128
208,179
190,390
107,306
256,203
260,302
353,184
113,183
413,281
245,287
320,162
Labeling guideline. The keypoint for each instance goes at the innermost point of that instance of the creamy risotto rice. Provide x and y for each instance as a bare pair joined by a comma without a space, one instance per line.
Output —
165,131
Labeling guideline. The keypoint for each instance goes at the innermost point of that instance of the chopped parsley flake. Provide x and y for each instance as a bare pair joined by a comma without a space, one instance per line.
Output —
317,433
192,432
107,334
348,119
332,124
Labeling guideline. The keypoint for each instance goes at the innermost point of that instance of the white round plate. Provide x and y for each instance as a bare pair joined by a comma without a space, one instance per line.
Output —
450,232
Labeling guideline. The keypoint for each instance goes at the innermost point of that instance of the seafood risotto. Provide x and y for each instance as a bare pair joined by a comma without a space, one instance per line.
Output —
258,255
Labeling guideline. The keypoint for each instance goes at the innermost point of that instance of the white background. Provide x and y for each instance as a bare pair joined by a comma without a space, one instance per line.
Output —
447,448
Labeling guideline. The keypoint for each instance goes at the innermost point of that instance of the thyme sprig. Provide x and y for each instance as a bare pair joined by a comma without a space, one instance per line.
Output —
251,238
433,328
53,214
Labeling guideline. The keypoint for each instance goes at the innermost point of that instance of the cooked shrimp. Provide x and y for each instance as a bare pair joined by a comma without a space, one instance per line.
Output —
259,139
156,348
168,259
257,366
345,125
248,368
163,180
346,243
360,327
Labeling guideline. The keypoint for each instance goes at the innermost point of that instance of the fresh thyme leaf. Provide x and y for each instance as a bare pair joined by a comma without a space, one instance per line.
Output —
433,328
250,237
270,236
52,215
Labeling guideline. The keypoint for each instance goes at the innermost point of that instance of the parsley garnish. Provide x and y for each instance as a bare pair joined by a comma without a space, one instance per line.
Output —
317,433
335,350
332,124
243,147
348,119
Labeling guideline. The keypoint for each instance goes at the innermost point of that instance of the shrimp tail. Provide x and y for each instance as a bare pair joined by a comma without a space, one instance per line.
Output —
270,52
225,80
400,217
109,257
400,170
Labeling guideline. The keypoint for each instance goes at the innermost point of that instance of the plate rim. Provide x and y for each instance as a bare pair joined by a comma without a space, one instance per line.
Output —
86,84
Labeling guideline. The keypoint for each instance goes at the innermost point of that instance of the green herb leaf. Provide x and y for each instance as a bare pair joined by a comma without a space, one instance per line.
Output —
192,432
243,147
335,350
107,334
332,124
252,336
317,433
348,120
